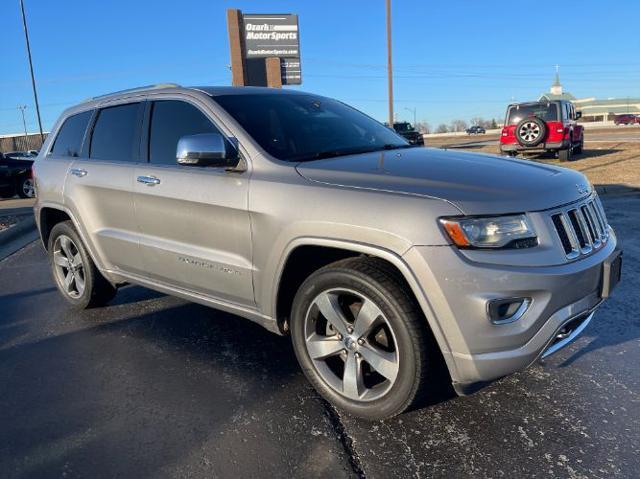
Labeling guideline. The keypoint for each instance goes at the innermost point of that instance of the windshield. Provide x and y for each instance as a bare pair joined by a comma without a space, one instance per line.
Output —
544,111
307,127
402,127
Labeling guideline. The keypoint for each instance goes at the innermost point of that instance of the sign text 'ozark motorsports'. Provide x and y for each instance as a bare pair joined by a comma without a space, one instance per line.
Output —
274,35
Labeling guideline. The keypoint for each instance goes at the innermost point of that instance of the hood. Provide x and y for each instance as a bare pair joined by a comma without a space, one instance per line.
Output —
475,183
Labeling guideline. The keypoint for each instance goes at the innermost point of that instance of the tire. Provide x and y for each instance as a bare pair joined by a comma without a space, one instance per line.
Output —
578,149
565,155
400,335
531,131
87,288
25,188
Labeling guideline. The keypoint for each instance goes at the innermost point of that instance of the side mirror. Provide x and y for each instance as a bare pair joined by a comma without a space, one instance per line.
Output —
578,115
206,149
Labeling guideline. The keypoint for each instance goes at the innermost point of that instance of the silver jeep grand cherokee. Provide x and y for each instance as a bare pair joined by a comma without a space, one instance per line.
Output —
383,261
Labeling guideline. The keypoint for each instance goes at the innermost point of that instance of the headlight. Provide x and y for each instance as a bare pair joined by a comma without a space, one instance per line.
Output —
497,232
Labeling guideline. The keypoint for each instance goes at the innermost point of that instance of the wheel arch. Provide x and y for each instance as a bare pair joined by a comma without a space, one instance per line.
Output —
48,217
50,214
289,278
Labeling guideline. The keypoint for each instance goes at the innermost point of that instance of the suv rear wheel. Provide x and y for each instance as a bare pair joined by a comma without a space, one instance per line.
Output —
566,154
26,188
75,274
578,149
361,339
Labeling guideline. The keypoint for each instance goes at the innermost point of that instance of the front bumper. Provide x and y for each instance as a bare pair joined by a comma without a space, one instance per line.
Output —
457,291
511,147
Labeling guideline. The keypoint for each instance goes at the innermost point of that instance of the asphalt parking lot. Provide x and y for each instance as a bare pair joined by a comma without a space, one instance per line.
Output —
153,386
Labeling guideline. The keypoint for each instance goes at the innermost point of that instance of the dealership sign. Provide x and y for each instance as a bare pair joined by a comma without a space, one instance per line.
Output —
274,35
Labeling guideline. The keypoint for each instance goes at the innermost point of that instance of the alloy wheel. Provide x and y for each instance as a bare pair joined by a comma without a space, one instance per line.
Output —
351,344
530,131
68,266
28,188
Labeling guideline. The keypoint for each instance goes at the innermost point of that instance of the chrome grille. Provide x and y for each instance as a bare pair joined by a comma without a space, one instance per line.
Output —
581,228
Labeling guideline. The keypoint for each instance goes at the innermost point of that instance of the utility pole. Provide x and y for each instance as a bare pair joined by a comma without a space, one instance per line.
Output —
22,108
389,63
33,78
414,114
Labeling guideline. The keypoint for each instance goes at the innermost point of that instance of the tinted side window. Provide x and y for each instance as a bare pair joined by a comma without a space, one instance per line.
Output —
171,120
114,134
69,139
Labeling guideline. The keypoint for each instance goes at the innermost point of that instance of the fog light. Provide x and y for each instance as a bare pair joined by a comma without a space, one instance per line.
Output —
507,310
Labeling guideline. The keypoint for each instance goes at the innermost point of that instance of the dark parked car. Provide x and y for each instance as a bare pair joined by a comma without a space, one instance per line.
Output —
18,155
15,176
476,130
407,130
627,119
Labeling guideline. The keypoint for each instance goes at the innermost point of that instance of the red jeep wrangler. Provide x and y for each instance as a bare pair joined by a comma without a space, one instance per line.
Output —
542,126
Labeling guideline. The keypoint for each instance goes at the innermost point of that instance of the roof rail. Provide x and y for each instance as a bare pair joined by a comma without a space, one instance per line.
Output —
133,90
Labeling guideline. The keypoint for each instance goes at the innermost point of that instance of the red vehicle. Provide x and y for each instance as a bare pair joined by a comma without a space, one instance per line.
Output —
627,119
542,126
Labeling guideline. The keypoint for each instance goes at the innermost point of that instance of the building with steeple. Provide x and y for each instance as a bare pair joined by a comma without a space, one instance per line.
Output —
556,91
593,109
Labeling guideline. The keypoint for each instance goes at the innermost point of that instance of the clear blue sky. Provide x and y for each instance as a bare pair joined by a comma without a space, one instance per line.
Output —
454,59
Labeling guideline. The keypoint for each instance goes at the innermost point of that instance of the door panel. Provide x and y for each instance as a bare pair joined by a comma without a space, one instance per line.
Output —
193,221
100,195
194,230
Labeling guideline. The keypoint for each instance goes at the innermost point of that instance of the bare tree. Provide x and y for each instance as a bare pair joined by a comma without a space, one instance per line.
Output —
458,125
442,128
423,127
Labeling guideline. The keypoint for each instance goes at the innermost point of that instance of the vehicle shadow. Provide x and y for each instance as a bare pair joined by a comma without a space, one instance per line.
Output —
585,155
130,294
166,382
173,378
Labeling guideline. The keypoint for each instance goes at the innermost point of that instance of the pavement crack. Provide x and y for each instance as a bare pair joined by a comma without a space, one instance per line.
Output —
345,440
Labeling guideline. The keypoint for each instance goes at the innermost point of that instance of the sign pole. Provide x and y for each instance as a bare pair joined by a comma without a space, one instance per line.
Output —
274,74
389,63
238,67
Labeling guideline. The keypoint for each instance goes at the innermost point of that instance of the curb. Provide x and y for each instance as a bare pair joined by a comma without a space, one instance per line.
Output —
616,190
17,237
23,227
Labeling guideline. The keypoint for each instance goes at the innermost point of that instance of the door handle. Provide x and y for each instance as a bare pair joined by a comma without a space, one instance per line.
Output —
79,172
149,180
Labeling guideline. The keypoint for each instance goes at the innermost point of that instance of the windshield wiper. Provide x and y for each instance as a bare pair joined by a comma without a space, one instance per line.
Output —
353,151
334,153
391,146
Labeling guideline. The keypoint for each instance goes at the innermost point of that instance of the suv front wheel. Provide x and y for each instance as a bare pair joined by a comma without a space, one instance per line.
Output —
75,274
361,339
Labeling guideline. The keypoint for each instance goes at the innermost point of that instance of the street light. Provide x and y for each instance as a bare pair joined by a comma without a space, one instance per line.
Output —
22,108
389,64
414,114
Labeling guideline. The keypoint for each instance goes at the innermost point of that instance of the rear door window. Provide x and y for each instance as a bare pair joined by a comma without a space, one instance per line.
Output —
544,111
171,120
115,134
69,139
